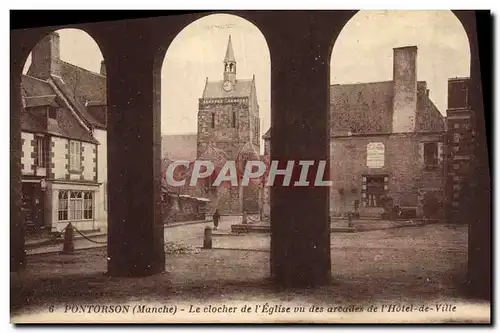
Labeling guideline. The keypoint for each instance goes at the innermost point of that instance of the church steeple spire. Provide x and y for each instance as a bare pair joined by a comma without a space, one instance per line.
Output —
230,63
229,52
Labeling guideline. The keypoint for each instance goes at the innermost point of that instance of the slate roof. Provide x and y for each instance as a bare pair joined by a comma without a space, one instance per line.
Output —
366,108
79,86
179,146
36,93
267,135
75,102
215,155
34,101
31,86
361,108
248,153
242,88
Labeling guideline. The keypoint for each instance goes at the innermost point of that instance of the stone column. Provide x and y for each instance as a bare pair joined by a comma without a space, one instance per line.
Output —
478,210
300,232
17,252
135,227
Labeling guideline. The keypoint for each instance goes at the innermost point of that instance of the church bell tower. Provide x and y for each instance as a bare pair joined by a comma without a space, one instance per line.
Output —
229,67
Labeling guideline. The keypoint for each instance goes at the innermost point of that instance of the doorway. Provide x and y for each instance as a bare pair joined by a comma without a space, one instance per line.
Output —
33,207
374,191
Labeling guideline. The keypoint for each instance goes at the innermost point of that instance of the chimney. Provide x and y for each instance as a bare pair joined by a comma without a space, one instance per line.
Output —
45,58
405,89
103,68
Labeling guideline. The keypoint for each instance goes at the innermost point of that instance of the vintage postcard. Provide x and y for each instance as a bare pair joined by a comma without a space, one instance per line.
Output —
251,167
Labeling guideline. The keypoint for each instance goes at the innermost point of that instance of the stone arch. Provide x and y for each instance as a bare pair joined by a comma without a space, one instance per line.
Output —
188,58
180,39
479,242
40,41
353,72
295,261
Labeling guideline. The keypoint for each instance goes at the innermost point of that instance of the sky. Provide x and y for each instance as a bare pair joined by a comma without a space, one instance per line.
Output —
196,53
361,53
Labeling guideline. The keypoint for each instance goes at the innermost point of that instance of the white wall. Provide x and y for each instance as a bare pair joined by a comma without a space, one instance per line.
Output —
88,161
102,172
95,223
59,160
26,159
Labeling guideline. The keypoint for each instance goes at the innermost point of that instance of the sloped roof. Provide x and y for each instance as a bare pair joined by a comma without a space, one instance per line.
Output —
248,152
366,108
267,135
429,119
179,171
75,103
242,88
31,87
217,156
99,113
179,146
34,101
34,120
87,85
361,108
79,86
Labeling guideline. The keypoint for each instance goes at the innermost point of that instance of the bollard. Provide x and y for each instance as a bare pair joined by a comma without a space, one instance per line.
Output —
244,218
69,244
207,238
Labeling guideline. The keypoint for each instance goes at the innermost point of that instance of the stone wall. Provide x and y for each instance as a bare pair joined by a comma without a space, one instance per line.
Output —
177,208
407,178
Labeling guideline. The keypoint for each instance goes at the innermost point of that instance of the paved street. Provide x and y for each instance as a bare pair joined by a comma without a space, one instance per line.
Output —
411,264
190,234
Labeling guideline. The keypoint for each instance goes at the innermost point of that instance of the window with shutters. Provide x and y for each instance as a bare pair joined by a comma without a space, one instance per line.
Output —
75,148
41,152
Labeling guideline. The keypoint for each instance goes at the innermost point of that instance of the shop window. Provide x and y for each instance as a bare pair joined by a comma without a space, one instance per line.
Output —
75,205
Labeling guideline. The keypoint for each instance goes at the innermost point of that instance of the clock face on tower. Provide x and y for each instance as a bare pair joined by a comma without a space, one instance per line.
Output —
227,85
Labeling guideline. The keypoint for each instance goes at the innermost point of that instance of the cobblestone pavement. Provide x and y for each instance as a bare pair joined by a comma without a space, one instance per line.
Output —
420,263
192,234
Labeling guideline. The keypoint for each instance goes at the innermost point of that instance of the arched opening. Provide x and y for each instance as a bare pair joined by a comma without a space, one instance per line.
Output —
214,115
392,76
63,136
296,88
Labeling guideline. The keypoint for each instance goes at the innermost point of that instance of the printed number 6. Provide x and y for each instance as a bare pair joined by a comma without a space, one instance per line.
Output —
51,308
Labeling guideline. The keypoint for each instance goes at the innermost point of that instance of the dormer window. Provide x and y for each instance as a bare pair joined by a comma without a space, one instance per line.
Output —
52,113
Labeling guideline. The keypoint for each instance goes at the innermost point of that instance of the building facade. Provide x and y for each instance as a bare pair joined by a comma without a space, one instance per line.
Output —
460,143
228,130
64,153
387,143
